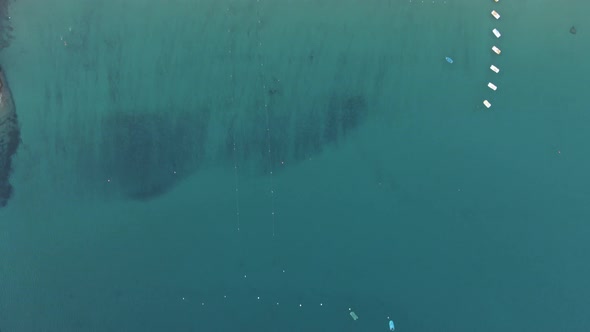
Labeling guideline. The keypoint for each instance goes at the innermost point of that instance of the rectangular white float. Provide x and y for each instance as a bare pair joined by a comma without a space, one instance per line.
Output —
494,69
492,86
496,33
487,103
495,15
496,50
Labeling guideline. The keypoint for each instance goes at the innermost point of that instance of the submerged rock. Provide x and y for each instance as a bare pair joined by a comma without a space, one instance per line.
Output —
9,138
145,155
573,30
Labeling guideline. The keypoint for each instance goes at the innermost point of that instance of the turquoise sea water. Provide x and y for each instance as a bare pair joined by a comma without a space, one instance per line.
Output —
144,199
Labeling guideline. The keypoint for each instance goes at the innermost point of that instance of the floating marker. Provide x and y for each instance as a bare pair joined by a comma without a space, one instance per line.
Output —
449,60
391,326
496,50
495,15
487,103
494,69
492,86
353,315
496,33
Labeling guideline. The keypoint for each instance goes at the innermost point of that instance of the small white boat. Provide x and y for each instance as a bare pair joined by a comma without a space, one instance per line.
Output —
492,86
496,33
496,50
487,103
494,69
495,15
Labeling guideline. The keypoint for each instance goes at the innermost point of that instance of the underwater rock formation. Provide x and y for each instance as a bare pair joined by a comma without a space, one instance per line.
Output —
9,138
145,155
5,26
296,134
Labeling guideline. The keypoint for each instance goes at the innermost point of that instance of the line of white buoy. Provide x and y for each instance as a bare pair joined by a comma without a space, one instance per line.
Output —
496,50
